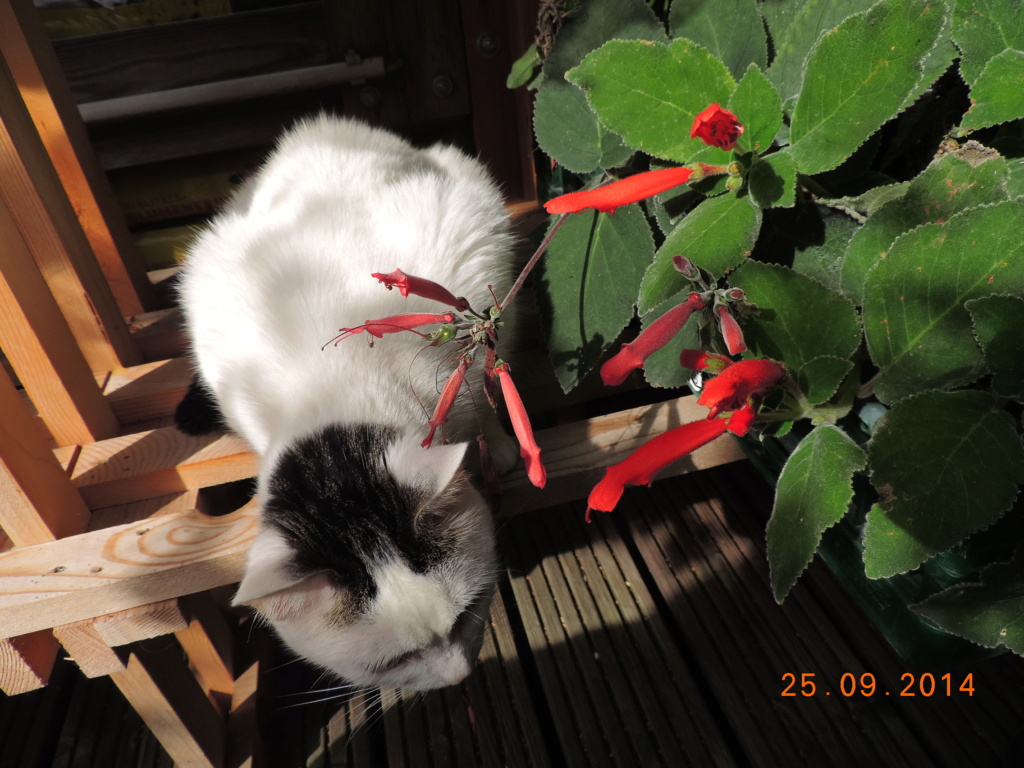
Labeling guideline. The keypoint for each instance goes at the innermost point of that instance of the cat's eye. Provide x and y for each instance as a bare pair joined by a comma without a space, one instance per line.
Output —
386,665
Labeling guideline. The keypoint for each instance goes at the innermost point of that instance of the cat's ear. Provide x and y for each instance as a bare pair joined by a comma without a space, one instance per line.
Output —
431,469
270,586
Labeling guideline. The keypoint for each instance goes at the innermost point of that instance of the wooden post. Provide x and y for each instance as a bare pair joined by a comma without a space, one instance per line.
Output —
40,210
25,46
26,661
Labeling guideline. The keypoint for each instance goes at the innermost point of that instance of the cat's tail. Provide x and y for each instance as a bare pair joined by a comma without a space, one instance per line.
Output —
197,413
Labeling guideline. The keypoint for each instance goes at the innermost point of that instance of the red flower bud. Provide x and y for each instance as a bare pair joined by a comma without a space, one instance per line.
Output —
699,360
685,267
730,331
419,286
640,466
717,127
528,447
619,193
396,323
656,335
732,388
447,398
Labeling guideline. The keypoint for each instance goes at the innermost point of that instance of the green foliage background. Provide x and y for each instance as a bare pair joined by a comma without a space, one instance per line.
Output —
877,237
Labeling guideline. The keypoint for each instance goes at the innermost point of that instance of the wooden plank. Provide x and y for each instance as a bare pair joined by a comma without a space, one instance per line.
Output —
141,623
159,686
247,722
208,640
48,98
42,349
149,390
49,227
26,661
159,334
37,501
123,567
88,650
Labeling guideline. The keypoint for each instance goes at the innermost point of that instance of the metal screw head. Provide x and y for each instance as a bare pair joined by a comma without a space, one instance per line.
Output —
369,96
442,87
488,43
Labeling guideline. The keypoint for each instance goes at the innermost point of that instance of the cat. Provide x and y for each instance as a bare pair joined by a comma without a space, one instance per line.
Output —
375,558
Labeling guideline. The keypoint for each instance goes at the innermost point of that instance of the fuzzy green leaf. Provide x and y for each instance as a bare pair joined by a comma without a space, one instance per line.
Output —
950,184
650,93
823,260
858,77
718,234
983,29
730,29
756,104
917,328
998,94
799,322
587,286
772,181
566,128
945,465
813,493
795,28
998,321
989,612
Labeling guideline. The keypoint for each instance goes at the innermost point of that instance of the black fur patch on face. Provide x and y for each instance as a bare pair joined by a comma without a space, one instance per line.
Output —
332,497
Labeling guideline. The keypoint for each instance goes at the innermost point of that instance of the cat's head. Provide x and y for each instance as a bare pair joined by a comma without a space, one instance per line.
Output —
375,559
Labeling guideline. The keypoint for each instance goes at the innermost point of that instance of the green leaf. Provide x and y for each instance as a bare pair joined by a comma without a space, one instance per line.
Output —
587,286
795,28
566,128
998,321
998,94
983,29
858,77
945,465
650,93
917,328
772,181
813,493
950,184
524,68
730,29
823,260
798,321
989,612
569,132
756,104
718,234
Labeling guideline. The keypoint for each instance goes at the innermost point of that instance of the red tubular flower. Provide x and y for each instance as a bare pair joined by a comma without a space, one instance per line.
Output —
640,466
742,420
632,355
629,190
732,388
447,399
396,323
419,286
730,331
717,127
528,447
699,360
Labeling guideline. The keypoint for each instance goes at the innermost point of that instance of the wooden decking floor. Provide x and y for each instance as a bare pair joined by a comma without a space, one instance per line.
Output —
650,638
646,638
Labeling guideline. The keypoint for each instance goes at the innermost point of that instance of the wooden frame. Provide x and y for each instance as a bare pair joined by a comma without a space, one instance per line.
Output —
104,544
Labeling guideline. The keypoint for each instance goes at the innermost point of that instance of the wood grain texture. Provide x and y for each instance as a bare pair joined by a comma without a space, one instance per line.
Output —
48,98
37,501
109,570
88,650
49,226
26,661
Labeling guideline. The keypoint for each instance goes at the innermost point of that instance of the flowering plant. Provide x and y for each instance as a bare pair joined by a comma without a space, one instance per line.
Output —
837,203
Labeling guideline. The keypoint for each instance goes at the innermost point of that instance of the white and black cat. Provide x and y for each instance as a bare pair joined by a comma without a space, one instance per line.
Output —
375,557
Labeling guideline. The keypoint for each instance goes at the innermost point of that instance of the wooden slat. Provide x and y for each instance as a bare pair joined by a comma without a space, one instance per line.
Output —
208,641
42,350
49,101
141,623
123,567
147,391
88,650
159,686
37,501
26,661
49,227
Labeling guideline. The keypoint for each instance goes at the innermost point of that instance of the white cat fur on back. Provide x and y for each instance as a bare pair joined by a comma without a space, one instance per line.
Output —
289,262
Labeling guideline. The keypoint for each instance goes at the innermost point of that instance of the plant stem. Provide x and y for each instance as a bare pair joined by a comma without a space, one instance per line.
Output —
533,261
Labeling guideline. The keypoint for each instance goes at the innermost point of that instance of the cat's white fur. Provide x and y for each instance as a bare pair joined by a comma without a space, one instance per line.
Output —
272,280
